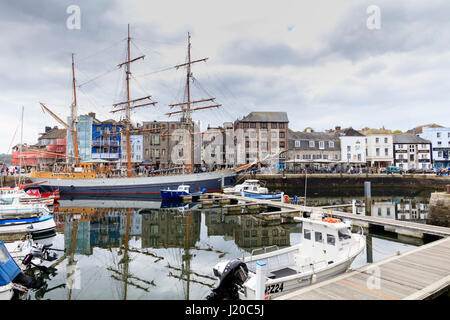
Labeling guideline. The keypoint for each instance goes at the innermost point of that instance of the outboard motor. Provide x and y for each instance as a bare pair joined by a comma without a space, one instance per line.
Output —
232,278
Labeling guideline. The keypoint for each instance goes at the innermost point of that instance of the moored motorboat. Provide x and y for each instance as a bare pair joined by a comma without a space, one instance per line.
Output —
13,205
247,185
263,196
327,249
12,279
182,190
37,225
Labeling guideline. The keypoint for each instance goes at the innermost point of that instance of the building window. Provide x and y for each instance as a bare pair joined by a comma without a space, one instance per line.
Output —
245,125
297,144
282,144
274,134
274,126
359,156
438,134
377,140
263,125
439,143
321,145
385,140
252,125
252,134
281,125
349,148
281,134
311,144
263,145
331,144
386,151
377,151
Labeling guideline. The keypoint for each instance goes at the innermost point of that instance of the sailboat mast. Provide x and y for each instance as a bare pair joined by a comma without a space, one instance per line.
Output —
21,143
127,110
74,116
189,148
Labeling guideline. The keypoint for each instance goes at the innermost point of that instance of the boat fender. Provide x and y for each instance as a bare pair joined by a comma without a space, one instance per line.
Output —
286,198
313,278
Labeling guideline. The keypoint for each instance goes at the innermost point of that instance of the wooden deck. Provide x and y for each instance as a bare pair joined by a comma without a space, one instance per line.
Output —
418,274
413,226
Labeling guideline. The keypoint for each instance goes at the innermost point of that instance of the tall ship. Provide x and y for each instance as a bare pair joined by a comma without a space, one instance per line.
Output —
84,180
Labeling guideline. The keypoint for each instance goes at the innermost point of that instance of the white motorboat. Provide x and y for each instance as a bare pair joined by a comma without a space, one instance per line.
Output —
251,185
25,197
328,248
13,205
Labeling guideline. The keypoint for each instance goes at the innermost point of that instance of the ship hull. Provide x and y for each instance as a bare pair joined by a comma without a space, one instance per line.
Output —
136,187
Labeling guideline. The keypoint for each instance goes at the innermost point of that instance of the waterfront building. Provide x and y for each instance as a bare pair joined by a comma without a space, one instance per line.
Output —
260,134
106,140
313,150
213,148
136,147
159,141
379,147
440,143
84,137
353,146
412,152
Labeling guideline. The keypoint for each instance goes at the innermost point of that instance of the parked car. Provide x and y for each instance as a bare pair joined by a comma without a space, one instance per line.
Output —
393,169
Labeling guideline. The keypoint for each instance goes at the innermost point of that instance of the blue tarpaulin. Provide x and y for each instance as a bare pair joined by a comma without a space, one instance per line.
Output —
8,267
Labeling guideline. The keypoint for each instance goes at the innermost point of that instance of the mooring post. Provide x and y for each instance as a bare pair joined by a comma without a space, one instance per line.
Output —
260,280
368,197
353,206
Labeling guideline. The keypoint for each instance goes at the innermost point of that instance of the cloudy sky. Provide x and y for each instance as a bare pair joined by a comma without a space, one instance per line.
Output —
317,60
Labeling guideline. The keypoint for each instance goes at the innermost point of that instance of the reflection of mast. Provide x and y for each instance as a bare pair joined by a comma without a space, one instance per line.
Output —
70,271
186,269
126,259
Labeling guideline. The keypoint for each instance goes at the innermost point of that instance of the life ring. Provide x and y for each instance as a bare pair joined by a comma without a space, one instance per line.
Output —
331,220
286,198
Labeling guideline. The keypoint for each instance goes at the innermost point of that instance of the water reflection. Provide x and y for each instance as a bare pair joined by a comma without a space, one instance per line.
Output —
156,250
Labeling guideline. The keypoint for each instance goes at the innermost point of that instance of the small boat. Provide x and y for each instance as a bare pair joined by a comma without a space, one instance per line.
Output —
248,185
182,190
12,279
25,197
263,196
327,249
38,225
14,205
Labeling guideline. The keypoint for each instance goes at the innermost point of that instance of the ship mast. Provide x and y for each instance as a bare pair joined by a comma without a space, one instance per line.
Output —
74,116
127,103
187,110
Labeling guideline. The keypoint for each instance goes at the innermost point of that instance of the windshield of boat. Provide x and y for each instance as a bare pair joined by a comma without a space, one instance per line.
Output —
344,234
6,201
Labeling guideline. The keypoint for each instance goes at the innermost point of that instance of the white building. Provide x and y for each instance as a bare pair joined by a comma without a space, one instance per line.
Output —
412,152
440,143
136,147
353,146
379,148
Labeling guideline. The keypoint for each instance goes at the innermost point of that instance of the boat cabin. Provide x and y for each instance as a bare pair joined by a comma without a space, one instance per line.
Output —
184,187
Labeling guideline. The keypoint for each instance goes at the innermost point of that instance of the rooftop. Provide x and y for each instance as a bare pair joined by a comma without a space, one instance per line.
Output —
266,116
409,138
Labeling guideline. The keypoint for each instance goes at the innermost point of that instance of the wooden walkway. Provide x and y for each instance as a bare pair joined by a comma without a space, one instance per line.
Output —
413,226
418,274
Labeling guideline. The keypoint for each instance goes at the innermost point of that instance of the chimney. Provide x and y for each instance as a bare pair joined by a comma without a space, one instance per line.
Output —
91,114
337,128
47,129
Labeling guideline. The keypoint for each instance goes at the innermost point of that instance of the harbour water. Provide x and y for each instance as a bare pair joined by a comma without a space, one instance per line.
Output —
168,252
